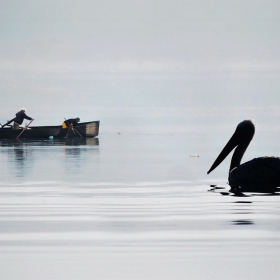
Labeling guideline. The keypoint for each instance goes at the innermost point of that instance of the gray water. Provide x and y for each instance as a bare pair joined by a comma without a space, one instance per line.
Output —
131,207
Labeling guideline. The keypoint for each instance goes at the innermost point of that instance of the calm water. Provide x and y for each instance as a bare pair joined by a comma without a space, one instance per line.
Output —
130,207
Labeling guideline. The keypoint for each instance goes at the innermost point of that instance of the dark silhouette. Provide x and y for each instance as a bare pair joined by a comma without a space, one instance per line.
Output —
20,116
260,173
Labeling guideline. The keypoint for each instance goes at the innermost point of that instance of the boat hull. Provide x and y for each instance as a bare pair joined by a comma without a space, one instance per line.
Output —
86,129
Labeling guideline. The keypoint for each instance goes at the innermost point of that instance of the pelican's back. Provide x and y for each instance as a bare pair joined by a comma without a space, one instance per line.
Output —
263,171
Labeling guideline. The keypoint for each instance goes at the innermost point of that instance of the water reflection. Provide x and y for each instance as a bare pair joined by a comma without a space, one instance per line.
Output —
240,208
242,222
242,191
256,190
23,154
19,157
79,141
54,142
22,158
75,151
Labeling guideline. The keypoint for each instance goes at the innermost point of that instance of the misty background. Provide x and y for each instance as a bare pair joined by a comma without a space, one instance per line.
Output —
142,66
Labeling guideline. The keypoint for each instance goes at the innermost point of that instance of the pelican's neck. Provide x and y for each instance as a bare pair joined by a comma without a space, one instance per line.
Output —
239,152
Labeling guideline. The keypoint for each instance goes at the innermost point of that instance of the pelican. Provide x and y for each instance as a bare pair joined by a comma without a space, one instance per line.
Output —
258,172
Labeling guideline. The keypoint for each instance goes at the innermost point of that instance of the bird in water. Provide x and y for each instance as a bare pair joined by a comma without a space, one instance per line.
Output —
260,173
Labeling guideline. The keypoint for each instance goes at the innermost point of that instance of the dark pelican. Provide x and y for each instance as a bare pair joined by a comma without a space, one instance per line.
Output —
263,172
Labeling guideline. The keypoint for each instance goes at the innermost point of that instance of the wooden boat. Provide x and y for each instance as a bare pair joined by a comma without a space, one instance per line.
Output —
85,129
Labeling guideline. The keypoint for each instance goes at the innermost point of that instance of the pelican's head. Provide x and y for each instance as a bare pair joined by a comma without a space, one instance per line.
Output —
241,137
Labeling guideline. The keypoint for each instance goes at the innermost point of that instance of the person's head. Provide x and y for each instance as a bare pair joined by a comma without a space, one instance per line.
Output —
77,119
23,109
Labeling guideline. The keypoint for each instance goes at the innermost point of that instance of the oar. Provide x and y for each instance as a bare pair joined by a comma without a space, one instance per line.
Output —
68,132
69,128
74,130
25,128
8,122
10,125
78,133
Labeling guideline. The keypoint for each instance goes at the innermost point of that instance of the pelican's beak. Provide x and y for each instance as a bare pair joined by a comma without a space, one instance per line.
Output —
232,143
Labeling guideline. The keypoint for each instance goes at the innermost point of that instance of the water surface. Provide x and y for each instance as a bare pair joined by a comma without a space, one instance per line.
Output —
130,207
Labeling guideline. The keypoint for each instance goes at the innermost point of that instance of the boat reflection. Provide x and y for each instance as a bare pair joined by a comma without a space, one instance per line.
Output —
78,151
20,157
78,141
23,155
53,142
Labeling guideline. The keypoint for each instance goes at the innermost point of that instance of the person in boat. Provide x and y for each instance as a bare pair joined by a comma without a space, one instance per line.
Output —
72,123
20,116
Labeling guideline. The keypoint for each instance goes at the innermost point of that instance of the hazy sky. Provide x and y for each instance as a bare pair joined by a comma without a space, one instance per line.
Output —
134,63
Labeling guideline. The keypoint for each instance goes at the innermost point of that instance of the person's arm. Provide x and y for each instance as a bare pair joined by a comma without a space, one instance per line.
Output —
28,118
